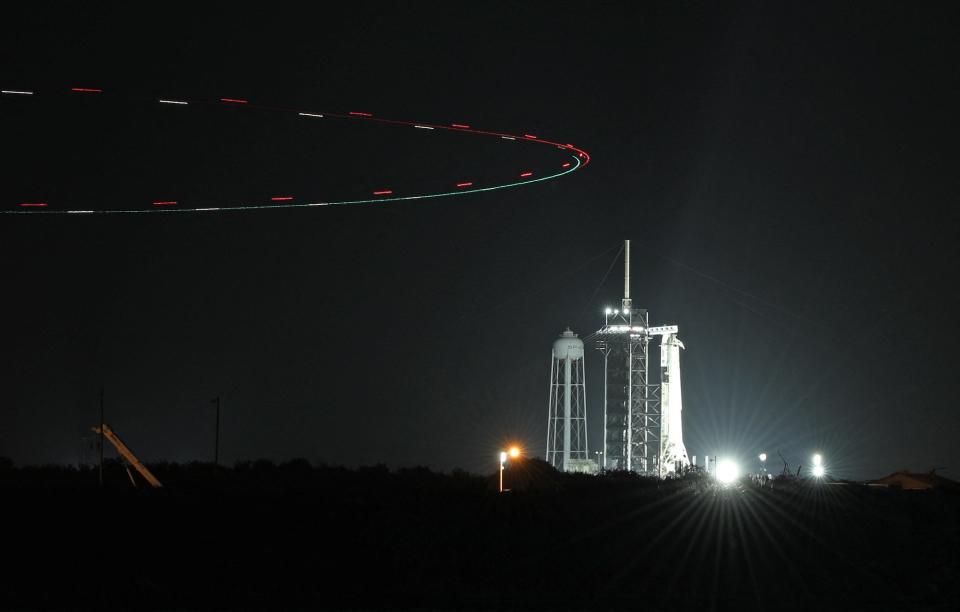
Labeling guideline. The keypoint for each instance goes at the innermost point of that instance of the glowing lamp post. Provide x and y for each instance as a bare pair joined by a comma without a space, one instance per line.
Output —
503,459
513,453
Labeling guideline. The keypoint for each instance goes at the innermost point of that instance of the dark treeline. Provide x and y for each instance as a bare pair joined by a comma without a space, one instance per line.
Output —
295,536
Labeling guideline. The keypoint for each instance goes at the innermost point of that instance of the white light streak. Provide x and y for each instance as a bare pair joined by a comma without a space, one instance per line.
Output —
310,115
15,92
80,212
172,102
423,127
508,137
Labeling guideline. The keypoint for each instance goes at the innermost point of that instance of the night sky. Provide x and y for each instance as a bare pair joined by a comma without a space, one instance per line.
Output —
787,174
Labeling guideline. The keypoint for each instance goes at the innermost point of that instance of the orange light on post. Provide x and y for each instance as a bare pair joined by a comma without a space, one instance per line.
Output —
514,452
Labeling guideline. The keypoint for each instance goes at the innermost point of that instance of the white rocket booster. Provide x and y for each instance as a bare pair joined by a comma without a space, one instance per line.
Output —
673,453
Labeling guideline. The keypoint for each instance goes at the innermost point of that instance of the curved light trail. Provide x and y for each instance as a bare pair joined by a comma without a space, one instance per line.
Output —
578,158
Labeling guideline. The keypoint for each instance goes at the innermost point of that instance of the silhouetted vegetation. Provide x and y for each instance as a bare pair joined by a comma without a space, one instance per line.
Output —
292,535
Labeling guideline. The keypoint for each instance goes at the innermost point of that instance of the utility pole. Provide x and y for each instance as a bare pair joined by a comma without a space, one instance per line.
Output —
101,436
216,439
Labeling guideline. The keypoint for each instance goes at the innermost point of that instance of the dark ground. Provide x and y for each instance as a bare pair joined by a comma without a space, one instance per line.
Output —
296,537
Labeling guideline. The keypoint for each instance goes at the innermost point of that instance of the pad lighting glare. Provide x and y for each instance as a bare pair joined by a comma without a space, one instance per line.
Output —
727,471
578,159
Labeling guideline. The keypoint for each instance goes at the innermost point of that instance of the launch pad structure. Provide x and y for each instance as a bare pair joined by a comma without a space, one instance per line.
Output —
642,420
643,430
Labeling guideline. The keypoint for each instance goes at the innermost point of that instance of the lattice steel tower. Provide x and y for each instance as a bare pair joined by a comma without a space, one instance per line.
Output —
567,416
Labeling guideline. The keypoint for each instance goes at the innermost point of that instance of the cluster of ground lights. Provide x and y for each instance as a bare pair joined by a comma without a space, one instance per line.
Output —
572,159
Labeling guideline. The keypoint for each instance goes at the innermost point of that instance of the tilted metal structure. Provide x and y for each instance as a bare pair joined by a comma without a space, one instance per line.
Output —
642,420
567,415
127,454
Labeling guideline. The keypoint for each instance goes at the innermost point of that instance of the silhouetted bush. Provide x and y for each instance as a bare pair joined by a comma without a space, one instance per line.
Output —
260,535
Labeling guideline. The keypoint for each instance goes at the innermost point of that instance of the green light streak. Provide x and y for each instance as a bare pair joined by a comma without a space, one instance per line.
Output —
305,205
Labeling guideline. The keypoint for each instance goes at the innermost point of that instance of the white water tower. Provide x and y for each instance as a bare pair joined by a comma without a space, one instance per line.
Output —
567,418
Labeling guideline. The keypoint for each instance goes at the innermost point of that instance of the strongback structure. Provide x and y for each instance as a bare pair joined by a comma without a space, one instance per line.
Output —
567,417
642,420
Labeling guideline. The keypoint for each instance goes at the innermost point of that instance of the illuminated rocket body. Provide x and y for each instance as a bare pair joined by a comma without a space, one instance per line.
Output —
673,452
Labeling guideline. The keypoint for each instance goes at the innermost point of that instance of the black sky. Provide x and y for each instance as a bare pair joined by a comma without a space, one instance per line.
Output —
788,174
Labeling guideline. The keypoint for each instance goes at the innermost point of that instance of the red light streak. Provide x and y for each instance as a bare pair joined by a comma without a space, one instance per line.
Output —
356,114
33,204
566,165
234,101
464,184
383,192
86,90
461,126
281,198
526,174
165,203
529,136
